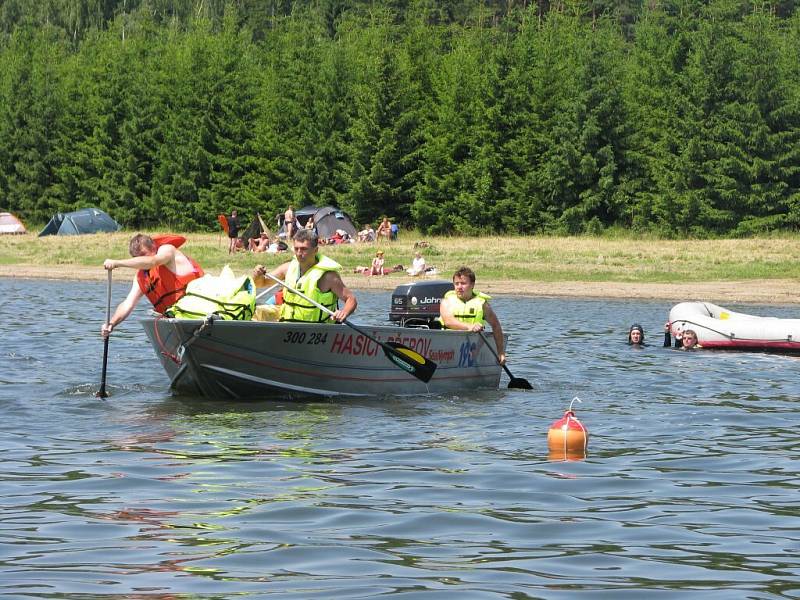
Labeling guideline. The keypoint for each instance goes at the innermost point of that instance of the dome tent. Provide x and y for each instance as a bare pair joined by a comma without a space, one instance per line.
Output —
11,224
327,220
86,220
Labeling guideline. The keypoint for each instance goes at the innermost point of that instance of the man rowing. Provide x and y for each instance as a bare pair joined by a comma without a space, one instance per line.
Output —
163,272
465,309
316,276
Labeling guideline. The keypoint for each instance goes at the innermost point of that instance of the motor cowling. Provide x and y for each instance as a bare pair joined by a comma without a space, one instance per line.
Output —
417,304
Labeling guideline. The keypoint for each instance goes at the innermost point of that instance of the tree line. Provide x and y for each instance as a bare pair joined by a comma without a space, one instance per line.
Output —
672,117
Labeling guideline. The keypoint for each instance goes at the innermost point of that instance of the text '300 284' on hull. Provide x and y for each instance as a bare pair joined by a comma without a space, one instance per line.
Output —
252,360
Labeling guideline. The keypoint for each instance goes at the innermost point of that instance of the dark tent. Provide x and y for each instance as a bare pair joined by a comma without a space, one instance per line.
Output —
86,220
254,230
327,220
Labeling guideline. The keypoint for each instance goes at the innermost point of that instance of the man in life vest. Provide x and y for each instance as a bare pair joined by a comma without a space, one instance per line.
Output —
163,273
465,309
316,276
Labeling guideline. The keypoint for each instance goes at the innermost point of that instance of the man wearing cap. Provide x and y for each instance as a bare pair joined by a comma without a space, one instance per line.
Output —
636,335
316,276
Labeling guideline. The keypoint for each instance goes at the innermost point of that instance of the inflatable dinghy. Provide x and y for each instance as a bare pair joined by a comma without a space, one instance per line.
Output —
720,328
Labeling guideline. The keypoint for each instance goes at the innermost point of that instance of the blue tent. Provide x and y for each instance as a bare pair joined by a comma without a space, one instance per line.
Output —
86,220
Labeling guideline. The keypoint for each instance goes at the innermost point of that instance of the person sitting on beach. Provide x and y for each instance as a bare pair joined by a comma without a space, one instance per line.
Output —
636,335
377,264
417,265
686,340
163,272
340,236
367,234
384,230
465,309
260,244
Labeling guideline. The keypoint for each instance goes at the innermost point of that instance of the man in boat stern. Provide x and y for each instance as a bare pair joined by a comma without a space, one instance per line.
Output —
465,309
163,272
316,276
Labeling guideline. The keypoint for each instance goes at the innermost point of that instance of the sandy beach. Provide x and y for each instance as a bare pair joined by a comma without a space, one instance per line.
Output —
763,291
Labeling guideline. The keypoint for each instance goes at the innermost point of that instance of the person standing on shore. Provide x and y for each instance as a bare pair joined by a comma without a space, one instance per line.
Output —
465,309
289,223
163,272
233,231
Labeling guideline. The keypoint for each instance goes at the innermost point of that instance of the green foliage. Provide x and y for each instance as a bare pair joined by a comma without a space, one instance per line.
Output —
672,119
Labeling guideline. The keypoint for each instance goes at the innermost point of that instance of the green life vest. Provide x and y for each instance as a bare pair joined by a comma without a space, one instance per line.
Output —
232,298
295,308
470,311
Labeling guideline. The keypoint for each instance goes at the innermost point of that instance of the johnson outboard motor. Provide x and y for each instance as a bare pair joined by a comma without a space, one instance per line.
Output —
417,304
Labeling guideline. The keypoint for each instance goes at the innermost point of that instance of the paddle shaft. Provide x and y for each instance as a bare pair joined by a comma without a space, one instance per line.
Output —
102,392
516,381
323,308
267,291
494,353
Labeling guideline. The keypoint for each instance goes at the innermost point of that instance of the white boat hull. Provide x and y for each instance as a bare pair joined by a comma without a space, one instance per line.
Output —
251,359
720,328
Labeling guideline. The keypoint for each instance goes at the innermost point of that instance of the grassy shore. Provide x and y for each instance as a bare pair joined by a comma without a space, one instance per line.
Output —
763,269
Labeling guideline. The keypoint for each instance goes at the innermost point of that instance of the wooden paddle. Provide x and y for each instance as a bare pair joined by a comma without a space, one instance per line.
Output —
402,356
102,392
515,382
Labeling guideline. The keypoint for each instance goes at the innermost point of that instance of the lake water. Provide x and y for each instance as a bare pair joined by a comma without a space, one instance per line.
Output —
689,489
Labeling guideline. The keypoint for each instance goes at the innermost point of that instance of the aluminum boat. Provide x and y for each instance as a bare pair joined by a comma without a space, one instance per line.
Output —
251,359
282,360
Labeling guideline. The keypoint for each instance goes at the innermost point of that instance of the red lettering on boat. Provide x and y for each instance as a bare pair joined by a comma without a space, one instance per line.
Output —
336,345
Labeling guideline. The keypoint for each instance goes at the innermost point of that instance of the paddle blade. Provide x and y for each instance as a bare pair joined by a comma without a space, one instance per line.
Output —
519,383
101,393
409,360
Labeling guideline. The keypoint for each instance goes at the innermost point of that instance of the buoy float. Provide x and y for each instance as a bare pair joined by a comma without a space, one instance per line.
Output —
567,438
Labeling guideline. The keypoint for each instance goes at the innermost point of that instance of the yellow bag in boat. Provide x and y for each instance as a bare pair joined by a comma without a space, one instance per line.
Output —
231,298
267,312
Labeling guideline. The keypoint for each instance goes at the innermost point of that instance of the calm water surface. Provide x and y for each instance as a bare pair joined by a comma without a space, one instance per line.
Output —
690,488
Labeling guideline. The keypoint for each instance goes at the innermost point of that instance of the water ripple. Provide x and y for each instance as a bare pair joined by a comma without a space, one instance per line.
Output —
688,490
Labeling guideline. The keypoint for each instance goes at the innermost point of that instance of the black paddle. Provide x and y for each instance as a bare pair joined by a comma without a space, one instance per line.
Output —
402,356
102,392
516,382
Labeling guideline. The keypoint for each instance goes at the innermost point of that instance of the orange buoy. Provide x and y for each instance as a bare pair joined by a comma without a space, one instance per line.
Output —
567,438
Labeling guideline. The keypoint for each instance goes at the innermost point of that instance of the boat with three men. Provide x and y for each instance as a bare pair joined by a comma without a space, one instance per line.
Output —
230,359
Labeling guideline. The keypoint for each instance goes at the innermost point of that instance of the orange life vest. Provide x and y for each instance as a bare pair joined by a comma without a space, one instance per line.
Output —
161,286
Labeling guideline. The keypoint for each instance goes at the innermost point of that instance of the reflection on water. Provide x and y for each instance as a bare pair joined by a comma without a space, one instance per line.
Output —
688,489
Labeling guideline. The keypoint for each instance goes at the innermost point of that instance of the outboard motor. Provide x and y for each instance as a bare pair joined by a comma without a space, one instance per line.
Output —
417,304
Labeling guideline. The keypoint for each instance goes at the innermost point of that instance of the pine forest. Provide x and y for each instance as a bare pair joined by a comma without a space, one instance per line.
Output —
671,117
